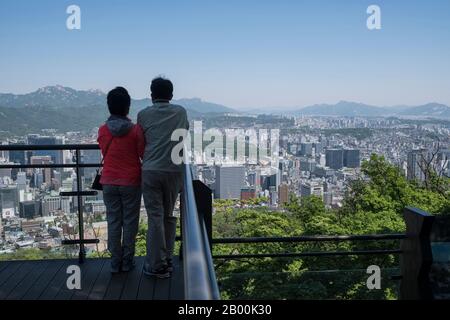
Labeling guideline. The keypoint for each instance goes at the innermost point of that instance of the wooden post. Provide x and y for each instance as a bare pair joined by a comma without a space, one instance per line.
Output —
416,257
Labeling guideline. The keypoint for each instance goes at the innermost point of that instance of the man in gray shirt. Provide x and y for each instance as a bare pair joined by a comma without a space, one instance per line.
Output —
162,179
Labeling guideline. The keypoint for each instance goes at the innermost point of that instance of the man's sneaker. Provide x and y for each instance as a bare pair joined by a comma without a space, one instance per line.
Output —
170,266
162,273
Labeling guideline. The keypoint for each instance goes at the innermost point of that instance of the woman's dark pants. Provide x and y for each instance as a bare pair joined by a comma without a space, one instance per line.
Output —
123,205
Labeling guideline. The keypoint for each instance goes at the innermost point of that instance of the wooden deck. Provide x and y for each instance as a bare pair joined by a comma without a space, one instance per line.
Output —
46,280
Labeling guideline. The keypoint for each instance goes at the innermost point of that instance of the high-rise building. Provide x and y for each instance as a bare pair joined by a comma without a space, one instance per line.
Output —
269,181
312,188
90,156
318,147
47,172
416,159
283,194
29,209
5,172
352,158
229,182
251,178
50,204
273,195
66,204
443,162
8,201
17,156
38,178
306,149
4,155
307,165
56,155
21,181
335,158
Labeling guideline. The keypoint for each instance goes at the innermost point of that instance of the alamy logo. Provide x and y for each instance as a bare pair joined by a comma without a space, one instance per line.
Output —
227,146
74,280
374,280
374,20
73,21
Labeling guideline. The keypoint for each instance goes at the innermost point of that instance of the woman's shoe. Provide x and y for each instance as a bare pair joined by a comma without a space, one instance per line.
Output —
128,267
115,270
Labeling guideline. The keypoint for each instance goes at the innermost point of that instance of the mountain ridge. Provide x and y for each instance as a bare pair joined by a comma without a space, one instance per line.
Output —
65,97
61,97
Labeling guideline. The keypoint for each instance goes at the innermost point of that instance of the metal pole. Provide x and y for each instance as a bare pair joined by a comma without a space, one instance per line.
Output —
82,252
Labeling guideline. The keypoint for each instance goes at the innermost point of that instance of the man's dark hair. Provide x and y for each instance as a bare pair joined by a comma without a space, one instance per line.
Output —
119,102
162,89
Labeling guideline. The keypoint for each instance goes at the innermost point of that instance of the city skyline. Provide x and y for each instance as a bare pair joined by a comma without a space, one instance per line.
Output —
290,54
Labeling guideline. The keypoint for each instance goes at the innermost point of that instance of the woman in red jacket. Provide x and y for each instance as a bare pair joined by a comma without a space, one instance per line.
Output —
122,144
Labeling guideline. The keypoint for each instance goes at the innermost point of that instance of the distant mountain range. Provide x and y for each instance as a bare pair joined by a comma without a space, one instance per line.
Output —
67,109
353,109
64,97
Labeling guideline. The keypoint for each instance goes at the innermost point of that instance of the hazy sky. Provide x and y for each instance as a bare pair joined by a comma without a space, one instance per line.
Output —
241,53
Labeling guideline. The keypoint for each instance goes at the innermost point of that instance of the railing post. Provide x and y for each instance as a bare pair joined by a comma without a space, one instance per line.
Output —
82,252
203,199
416,257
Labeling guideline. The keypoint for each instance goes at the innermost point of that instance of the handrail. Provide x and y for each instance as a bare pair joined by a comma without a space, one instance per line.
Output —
47,147
313,238
199,274
79,193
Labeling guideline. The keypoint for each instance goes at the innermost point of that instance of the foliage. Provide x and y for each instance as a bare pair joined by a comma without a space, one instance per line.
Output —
373,204
32,254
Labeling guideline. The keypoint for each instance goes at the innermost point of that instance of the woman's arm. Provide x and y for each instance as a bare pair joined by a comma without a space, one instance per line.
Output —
140,141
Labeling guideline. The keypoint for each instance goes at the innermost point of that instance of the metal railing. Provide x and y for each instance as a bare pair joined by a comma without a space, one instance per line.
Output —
414,251
196,226
199,274
79,193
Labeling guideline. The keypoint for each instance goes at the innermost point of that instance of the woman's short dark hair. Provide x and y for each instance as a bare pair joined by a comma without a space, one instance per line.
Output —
119,102
161,89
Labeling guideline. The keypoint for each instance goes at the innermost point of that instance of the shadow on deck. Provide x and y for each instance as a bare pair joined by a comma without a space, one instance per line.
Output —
46,280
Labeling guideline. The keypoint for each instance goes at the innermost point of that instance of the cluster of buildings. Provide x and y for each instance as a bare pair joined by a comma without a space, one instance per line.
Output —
311,161
33,213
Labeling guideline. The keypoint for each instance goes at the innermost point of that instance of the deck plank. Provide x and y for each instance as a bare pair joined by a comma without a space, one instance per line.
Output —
4,265
44,280
146,288
101,283
52,290
177,283
22,288
130,290
90,271
15,278
115,287
9,271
